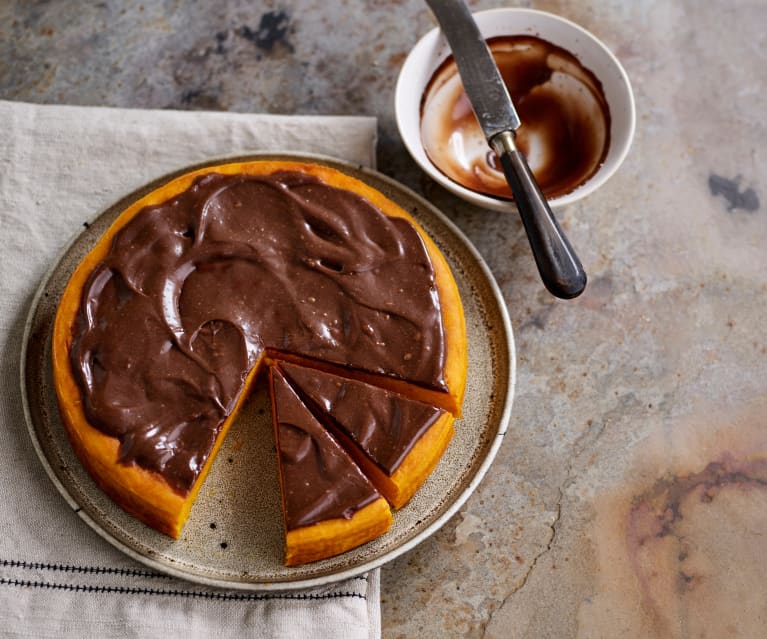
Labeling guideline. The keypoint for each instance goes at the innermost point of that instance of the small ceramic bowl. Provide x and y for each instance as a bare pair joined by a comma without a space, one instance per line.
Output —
432,50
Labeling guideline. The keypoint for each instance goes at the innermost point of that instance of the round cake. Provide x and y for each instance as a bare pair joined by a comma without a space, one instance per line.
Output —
165,324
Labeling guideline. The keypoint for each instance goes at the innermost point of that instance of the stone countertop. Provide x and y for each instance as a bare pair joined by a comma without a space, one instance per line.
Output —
628,498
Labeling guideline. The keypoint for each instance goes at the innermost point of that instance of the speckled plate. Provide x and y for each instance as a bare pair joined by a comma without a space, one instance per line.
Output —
234,536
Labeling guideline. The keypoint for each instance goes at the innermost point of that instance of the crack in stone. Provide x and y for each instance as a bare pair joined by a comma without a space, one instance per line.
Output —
582,444
553,526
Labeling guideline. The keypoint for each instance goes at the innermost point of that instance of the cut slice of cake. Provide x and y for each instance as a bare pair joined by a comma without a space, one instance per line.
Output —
397,441
328,505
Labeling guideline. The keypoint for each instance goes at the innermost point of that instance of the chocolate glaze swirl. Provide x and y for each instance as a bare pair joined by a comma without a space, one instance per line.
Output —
383,424
195,289
319,480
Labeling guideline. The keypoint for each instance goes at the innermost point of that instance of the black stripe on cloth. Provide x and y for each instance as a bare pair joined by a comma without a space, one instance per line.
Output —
94,570
191,594
98,570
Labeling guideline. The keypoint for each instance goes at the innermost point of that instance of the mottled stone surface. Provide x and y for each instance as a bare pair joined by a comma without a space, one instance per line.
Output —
629,497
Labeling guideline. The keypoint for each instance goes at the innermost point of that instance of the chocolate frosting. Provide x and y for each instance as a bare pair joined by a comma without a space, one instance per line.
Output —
319,480
383,424
195,289
565,131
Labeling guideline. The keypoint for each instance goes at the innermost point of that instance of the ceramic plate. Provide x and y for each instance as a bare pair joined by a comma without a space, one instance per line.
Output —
234,536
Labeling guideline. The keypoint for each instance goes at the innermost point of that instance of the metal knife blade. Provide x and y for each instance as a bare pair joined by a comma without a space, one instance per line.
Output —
481,79
558,265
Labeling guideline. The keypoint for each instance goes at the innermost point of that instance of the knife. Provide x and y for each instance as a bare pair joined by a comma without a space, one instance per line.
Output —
558,265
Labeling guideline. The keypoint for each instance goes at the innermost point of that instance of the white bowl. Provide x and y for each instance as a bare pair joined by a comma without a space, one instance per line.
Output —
432,50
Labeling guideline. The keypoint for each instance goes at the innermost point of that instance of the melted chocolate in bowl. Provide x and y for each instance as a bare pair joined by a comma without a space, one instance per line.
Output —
565,132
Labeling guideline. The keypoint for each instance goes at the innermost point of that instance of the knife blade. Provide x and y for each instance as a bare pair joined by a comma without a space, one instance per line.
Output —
558,265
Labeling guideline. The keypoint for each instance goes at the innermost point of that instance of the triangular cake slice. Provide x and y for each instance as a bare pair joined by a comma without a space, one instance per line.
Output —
328,505
397,441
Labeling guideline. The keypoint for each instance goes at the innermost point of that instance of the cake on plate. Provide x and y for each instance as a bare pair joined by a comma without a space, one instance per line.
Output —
196,286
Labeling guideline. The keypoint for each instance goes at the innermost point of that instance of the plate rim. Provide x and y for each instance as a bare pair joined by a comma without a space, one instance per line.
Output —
344,573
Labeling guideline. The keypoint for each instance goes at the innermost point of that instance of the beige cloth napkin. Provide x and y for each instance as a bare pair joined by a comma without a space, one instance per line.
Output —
60,166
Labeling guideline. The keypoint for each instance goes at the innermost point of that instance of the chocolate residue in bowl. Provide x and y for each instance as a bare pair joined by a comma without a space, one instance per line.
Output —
565,132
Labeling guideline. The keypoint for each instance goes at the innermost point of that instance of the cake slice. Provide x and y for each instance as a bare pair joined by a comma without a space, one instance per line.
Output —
397,441
328,505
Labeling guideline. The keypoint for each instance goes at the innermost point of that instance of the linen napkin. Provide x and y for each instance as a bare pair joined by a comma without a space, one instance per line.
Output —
59,167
